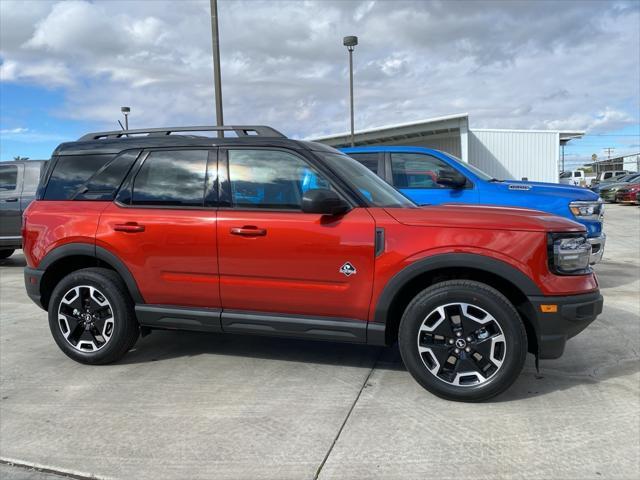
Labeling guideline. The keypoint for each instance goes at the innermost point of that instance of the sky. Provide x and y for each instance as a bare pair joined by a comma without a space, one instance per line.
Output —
66,67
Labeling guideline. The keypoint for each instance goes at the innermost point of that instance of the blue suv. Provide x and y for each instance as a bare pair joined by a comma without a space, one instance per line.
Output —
432,177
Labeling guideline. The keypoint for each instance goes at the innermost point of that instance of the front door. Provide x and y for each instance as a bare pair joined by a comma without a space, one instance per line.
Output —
163,226
276,259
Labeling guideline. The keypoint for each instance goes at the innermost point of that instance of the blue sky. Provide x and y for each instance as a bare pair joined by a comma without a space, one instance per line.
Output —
67,67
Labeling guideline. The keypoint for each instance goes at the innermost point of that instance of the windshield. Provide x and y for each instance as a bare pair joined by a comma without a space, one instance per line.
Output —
377,192
565,175
479,173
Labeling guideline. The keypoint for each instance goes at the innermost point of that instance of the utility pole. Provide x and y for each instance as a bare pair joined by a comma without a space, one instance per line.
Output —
350,42
215,40
609,150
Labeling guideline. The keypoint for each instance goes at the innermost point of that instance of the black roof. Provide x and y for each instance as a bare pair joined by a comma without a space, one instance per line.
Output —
115,142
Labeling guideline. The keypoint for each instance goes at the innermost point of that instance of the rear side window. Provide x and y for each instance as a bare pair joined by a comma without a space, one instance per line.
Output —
104,184
417,170
70,173
369,160
8,178
172,178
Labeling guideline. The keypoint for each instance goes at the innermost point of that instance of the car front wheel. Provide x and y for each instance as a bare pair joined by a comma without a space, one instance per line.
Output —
91,316
463,340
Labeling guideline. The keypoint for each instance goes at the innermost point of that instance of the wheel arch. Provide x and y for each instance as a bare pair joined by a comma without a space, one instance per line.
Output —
407,283
70,257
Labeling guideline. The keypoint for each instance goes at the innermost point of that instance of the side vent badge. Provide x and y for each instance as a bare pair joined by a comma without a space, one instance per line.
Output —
347,269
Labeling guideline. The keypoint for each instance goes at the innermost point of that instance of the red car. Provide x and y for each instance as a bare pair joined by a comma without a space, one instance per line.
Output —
628,194
259,234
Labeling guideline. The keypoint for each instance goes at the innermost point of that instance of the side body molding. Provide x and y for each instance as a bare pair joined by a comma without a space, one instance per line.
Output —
450,260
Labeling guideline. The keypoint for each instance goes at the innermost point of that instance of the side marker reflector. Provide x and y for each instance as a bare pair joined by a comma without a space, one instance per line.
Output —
549,308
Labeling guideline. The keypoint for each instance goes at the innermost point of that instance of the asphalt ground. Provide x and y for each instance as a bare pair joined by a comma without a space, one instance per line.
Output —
200,406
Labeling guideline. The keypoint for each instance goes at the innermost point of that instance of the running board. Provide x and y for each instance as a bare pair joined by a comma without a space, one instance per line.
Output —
279,325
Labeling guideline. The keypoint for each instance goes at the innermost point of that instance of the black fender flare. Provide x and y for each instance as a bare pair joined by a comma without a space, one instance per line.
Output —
450,260
92,250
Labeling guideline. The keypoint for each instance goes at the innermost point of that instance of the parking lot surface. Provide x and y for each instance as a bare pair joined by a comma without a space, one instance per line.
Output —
186,405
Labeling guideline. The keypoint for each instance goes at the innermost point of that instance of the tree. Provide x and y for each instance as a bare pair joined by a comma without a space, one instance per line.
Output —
20,159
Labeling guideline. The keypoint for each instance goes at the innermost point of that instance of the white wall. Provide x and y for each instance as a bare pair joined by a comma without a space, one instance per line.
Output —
514,154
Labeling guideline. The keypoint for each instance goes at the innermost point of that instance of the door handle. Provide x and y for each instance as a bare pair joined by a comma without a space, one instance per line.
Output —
249,231
13,199
130,227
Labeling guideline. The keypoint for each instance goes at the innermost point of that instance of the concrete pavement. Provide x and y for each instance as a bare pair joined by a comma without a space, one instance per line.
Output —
185,405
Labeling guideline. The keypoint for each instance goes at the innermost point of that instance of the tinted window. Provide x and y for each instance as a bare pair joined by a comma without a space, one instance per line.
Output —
174,178
416,170
104,184
378,192
369,160
32,175
70,173
8,177
270,179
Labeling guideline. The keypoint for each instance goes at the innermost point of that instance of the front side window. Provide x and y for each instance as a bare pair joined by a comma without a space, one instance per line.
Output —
271,179
377,192
417,170
8,178
172,178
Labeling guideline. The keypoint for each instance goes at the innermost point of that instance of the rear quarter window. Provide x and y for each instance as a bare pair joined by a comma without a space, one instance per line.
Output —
70,173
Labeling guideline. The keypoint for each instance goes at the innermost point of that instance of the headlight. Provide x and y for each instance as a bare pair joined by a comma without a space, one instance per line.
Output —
587,210
569,253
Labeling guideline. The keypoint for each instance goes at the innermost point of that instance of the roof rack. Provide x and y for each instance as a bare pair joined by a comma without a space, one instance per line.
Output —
240,131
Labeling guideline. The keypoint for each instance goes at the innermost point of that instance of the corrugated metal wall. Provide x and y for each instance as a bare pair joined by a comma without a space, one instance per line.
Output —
514,154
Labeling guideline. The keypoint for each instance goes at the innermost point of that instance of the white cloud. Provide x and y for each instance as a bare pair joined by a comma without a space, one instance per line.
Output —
510,64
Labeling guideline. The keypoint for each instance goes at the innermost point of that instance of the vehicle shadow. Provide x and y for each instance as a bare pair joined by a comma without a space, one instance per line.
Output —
15,260
166,345
616,274
589,359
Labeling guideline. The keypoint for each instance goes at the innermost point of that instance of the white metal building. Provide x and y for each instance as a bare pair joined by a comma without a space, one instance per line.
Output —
510,154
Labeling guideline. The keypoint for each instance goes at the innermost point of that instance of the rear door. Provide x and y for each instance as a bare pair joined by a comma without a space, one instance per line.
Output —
163,226
415,175
11,176
276,259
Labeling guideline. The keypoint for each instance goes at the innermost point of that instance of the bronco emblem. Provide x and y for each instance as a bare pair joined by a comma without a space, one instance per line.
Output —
348,269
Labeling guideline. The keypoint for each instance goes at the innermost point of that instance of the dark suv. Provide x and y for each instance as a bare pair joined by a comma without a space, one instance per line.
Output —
163,229
18,184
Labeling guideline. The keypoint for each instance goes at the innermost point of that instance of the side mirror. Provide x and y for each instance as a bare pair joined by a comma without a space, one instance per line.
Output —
323,201
451,178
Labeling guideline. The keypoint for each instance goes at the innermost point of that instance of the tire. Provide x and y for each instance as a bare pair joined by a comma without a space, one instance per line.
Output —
112,330
6,253
479,364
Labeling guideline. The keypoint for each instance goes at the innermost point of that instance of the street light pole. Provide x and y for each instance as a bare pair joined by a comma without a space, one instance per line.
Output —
350,42
215,40
125,111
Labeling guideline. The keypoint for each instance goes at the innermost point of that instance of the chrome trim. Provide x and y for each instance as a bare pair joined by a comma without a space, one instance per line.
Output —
597,248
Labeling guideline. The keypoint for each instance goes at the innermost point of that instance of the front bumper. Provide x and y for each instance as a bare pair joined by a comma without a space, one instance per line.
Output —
573,314
32,279
597,247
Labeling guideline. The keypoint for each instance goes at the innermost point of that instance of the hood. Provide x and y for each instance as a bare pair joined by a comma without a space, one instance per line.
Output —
614,186
484,217
554,189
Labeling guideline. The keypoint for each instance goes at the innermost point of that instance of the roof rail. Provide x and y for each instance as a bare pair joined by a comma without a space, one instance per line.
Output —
240,131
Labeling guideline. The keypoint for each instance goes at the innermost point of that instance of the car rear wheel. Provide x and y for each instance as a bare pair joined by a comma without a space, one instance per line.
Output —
91,316
462,340
6,253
